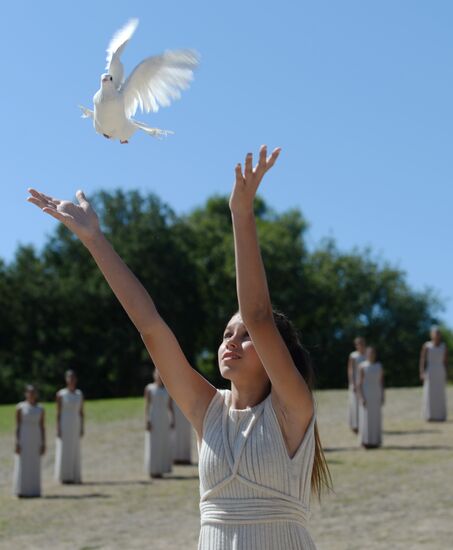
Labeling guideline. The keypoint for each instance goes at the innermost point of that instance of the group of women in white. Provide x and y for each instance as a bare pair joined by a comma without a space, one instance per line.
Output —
31,438
168,436
366,387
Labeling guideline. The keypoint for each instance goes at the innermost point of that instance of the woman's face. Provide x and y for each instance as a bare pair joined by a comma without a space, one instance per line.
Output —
238,360
436,336
371,355
360,345
71,381
30,395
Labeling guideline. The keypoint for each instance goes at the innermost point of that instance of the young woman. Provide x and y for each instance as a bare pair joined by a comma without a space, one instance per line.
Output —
159,418
433,373
260,454
30,445
70,426
355,358
371,394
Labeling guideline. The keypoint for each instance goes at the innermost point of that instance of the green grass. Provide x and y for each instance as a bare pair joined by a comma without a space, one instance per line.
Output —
99,410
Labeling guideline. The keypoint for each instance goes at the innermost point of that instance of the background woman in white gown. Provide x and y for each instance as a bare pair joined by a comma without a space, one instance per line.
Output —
30,445
159,420
433,373
182,438
371,395
355,358
70,427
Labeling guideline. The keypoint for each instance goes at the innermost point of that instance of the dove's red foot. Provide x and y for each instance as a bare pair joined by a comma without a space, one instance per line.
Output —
124,141
106,136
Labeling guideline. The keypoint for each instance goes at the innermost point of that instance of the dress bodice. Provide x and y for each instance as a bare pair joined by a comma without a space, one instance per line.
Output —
70,400
246,474
30,414
435,354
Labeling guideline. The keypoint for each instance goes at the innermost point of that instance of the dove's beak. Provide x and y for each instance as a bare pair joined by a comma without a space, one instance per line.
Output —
105,79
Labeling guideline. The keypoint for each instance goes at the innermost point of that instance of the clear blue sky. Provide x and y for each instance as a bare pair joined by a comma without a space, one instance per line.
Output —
358,94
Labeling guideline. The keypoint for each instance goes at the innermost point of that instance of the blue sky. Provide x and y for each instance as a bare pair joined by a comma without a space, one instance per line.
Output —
358,94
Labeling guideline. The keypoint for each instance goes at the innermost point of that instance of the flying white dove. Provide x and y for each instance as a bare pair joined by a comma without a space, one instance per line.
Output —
154,82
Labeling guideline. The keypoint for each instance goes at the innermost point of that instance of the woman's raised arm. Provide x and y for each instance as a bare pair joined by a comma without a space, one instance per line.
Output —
188,388
289,390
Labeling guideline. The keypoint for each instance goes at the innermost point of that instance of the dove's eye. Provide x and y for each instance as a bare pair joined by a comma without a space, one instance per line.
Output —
111,78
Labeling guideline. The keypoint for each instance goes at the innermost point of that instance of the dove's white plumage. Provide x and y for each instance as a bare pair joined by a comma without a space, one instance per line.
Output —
154,83
158,80
115,48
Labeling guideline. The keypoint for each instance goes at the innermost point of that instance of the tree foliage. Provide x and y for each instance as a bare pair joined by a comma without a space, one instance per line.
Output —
58,312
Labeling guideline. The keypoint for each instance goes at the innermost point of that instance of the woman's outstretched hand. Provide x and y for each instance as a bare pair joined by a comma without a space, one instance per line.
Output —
247,182
80,218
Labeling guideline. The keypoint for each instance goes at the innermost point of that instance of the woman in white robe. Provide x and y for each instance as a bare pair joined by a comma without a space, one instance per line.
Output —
30,445
159,420
355,358
70,427
433,373
371,395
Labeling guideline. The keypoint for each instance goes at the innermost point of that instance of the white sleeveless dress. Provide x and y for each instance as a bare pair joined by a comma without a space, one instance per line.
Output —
67,451
182,438
370,416
353,400
434,391
253,496
158,453
27,465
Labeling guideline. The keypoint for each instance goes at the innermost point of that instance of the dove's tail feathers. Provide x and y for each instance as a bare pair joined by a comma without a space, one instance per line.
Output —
155,132
86,113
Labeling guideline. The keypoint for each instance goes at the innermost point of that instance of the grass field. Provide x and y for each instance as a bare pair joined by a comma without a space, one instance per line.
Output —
398,497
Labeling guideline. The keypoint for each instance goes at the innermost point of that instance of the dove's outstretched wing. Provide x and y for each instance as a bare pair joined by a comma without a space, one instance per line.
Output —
158,80
116,47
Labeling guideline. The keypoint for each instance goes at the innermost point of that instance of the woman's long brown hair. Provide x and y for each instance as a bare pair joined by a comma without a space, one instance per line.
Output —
320,477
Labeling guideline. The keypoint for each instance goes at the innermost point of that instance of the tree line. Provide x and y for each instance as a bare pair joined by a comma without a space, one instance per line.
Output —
58,313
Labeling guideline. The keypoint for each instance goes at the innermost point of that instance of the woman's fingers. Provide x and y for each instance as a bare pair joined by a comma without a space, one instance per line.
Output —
264,163
262,159
248,165
60,216
80,195
272,158
44,198
238,172
38,202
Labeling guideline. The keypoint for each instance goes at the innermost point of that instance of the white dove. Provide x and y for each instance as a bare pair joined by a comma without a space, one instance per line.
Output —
154,82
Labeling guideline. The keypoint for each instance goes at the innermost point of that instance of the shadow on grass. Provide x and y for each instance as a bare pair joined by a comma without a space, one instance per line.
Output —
340,449
391,448
118,482
410,432
76,497
180,478
417,447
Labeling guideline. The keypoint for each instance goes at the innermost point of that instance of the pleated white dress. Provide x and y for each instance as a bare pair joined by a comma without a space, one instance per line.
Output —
434,390
27,465
158,452
182,437
67,453
370,416
253,496
353,400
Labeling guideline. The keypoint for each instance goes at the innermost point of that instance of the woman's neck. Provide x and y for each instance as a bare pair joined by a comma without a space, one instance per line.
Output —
245,396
